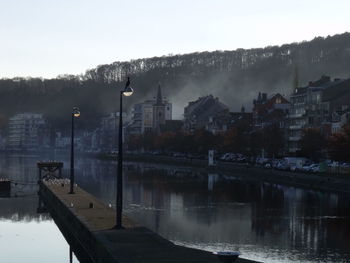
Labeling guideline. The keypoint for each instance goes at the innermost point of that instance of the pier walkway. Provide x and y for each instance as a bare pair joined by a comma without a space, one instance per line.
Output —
87,224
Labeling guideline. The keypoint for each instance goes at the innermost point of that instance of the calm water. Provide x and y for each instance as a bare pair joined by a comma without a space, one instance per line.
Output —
215,212
25,235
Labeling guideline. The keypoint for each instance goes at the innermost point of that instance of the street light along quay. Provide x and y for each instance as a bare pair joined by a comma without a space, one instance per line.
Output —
75,114
127,91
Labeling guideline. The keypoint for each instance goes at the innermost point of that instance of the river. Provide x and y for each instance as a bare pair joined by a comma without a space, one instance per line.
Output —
25,235
211,211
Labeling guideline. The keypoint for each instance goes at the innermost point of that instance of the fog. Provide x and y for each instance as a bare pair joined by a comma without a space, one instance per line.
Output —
235,77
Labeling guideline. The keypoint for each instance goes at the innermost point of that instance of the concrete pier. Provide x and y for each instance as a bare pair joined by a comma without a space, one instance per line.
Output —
87,224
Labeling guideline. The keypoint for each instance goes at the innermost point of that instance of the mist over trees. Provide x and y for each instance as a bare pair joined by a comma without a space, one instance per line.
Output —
233,76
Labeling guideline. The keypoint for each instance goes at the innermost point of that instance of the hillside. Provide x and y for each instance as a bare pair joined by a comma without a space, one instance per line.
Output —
234,76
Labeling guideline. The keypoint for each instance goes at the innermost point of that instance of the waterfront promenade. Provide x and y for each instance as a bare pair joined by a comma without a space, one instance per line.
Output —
88,225
316,181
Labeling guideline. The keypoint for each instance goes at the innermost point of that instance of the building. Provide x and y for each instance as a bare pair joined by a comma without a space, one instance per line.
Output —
269,111
315,106
226,120
199,113
28,131
159,112
61,141
105,138
339,119
109,131
150,115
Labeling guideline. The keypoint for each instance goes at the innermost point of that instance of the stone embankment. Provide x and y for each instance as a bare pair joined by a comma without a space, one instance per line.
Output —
317,181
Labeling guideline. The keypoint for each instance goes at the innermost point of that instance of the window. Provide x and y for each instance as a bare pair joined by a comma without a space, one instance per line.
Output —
318,98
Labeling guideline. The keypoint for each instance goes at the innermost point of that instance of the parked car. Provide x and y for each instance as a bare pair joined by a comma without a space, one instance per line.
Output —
282,166
275,162
311,168
316,168
241,159
228,157
268,166
293,168
333,164
261,161
345,165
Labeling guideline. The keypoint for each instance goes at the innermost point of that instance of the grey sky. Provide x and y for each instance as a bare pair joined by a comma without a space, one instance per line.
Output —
46,37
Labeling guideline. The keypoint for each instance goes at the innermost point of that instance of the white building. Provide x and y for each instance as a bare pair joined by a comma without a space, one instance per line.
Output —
145,115
27,131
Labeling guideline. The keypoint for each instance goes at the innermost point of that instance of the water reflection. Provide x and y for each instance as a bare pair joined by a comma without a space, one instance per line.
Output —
21,210
215,211
25,235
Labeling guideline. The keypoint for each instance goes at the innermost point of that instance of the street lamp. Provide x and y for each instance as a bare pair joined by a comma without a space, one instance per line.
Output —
127,91
75,114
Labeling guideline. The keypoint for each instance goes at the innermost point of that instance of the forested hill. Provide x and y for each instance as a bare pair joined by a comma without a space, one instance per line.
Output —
234,76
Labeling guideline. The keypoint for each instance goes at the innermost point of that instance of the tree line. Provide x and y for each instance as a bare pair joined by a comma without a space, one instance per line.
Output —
233,76
314,145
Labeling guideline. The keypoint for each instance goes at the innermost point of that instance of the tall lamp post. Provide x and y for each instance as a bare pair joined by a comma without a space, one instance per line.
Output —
127,91
75,114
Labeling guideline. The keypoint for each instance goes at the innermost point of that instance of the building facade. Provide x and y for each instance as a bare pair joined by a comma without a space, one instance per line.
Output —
105,138
271,110
339,119
226,120
28,131
159,112
198,114
150,115
315,106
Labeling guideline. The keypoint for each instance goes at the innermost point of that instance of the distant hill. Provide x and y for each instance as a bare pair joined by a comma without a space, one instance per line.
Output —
234,76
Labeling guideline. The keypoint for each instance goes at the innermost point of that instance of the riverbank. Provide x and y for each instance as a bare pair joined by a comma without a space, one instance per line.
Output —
324,182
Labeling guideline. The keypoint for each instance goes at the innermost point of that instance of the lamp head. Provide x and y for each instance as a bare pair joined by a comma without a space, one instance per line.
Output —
76,112
128,91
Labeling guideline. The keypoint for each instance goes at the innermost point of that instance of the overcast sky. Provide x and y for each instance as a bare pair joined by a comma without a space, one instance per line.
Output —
46,37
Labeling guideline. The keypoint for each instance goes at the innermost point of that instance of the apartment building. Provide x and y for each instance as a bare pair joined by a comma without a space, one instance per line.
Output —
28,131
314,105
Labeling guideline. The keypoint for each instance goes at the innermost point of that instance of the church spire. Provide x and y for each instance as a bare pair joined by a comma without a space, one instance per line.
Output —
159,100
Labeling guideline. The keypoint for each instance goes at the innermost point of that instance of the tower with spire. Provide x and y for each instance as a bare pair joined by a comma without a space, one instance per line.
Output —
158,111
